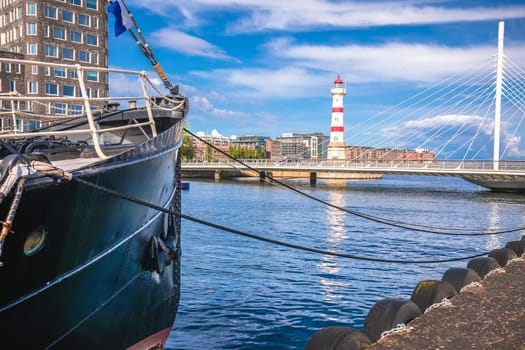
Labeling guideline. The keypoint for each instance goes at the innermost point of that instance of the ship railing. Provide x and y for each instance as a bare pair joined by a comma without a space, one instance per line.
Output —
37,106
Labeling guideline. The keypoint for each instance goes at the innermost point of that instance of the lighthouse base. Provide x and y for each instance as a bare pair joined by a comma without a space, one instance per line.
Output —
336,151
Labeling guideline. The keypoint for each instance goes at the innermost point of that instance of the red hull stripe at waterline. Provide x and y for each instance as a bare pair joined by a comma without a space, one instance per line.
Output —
154,341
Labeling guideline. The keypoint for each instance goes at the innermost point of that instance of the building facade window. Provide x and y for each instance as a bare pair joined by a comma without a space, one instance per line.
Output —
76,2
12,85
31,9
60,108
31,29
68,90
34,69
45,30
51,89
84,56
91,4
50,51
83,20
50,12
67,16
77,109
75,37
60,72
68,54
59,33
32,49
92,40
92,76
73,74
33,87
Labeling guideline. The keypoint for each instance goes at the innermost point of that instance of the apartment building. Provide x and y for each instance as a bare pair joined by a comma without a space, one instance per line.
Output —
57,31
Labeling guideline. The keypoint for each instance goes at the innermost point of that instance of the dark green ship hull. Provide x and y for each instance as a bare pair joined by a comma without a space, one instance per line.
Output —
84,269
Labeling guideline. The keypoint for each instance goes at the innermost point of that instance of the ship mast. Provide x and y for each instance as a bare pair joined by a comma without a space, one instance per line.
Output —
140,40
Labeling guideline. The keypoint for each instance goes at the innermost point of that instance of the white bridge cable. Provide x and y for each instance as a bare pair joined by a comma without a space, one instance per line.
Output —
450,82
464,110
431,94
513,87
478,105
487,98
428,95
452,109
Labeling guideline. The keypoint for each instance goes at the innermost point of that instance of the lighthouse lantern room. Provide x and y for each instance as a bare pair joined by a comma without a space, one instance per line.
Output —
337,146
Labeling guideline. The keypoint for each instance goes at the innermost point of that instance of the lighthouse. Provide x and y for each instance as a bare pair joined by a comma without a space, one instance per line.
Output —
337,146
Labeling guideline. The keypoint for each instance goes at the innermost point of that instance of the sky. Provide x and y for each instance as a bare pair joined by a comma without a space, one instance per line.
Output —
266,67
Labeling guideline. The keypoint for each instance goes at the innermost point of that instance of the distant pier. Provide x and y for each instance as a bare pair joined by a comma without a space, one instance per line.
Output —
313,176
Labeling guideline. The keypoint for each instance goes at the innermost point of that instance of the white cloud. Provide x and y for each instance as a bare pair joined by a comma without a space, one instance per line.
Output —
203,105
301,15
176,40
261,83
451,120
512,147
298,15
391,61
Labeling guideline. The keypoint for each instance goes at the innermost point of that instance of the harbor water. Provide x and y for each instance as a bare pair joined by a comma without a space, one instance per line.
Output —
240,293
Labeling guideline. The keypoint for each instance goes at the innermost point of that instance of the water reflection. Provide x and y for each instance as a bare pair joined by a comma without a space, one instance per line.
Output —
494,242
332,287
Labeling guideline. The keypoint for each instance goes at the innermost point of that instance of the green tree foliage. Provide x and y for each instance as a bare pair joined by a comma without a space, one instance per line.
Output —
240,152
187,148
209,153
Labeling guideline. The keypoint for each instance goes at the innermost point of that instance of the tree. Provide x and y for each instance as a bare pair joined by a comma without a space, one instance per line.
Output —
187,149
209,153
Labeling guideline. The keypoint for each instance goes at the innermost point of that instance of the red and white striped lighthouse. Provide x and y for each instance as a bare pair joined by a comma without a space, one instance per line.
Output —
337,146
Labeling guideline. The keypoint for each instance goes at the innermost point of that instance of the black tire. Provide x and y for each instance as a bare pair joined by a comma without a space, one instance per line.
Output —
517,246
460,277
338,338
503,255
387,314
429,292
483,265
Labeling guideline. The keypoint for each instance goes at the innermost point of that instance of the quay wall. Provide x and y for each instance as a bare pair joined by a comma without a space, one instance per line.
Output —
231,173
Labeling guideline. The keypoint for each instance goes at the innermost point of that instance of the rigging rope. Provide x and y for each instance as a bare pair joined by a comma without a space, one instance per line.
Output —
266,239
398,224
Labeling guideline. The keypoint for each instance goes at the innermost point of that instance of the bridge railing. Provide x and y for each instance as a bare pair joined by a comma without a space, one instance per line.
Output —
477,165
486,165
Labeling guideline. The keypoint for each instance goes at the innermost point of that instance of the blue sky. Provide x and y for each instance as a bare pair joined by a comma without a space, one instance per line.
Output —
265,67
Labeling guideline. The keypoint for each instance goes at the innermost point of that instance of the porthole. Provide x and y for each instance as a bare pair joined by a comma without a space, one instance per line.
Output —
35,241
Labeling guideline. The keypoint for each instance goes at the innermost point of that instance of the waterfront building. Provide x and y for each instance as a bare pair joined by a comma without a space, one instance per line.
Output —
363,154
204,152
337,146
251,142
59,31
298,146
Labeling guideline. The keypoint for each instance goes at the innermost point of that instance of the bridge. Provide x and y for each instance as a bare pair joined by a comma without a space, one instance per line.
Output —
460,118
510,175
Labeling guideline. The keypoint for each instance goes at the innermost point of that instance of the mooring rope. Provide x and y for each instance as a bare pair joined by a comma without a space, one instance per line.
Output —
393,223
266,239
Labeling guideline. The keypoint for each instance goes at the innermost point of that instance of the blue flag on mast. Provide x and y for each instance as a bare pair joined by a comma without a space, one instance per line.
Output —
122,18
